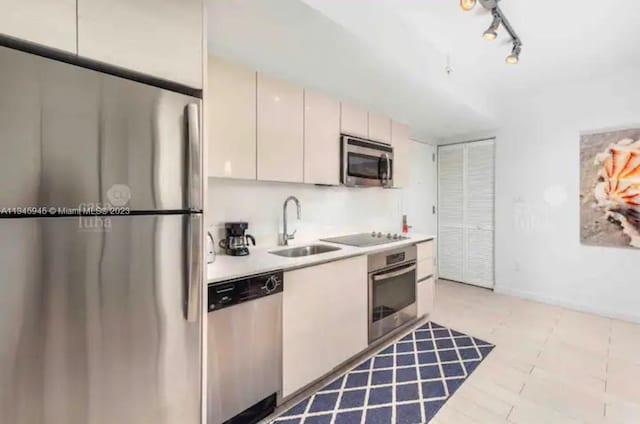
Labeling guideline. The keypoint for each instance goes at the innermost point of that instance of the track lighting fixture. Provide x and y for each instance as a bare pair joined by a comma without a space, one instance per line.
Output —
514,57
492,32
498,19
467,5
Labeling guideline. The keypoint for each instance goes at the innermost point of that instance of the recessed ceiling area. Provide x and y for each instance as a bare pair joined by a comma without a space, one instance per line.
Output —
391,56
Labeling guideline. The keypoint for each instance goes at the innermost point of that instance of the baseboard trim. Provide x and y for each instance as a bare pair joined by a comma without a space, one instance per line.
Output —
567,304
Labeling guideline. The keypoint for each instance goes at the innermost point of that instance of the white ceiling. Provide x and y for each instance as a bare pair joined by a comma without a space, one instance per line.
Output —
390,55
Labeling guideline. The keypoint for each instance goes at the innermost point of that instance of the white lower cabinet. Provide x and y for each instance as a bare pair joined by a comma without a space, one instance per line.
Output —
324,320
426,295
426,278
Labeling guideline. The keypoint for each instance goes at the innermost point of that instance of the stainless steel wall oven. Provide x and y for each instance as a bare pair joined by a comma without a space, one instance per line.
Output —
392,290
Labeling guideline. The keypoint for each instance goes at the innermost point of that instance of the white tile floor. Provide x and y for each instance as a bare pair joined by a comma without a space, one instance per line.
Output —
550,364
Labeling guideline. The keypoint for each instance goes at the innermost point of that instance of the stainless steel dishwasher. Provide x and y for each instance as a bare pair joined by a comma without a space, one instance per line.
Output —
244,358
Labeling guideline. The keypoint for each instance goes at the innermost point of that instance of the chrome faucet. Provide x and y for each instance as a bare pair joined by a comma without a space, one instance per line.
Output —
285,236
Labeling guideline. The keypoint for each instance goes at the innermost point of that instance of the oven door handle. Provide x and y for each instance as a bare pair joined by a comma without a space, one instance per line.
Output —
396,273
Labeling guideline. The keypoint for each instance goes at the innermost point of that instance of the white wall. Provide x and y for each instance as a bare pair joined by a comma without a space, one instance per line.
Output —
326,211
538,250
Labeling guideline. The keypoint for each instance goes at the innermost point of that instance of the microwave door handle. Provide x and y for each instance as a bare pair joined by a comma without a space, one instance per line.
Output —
396,273
388,170
384,178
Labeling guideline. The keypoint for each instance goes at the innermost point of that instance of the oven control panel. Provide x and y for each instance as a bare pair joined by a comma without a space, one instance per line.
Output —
228,293
396,258
391,258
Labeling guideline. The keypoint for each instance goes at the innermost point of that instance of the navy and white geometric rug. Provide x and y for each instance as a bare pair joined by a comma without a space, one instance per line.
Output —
404,383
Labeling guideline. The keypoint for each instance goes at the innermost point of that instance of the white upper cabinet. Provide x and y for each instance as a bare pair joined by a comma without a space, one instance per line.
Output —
400,134
354,120
51,23
160,38
231,110
280,130
321,139
379,127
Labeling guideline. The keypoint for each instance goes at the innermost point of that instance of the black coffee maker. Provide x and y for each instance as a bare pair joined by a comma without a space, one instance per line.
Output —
236,242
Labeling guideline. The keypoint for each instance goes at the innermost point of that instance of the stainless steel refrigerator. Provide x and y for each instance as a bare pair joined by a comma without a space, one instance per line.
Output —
100,315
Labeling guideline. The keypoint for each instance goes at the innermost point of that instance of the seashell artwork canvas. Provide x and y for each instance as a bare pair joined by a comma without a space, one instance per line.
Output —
610,188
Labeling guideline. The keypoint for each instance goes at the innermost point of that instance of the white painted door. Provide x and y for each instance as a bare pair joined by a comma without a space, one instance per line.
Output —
232,120
321,139
466,211
280,130
161,38
51,23
354,120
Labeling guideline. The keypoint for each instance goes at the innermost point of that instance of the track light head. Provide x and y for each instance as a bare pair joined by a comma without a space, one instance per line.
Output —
492,32
514,57
467,5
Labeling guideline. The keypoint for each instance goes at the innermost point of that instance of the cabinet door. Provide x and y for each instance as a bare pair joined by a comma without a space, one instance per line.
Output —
232,120
426,296
160,38
425,260
280,130
51,23
379,127
324,320
321,139
425,250
354,120
400,140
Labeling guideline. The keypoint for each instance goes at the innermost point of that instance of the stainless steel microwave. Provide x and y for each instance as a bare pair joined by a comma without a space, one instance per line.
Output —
366,163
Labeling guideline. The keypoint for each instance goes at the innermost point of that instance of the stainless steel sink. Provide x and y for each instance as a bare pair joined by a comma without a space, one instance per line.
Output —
313,249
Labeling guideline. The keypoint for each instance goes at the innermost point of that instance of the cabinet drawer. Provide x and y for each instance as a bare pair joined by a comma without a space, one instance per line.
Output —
426,296
425,268
425,250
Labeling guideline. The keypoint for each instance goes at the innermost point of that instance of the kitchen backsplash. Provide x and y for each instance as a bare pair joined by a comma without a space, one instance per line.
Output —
326,211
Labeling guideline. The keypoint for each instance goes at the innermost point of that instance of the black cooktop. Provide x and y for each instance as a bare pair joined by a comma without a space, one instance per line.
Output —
366,239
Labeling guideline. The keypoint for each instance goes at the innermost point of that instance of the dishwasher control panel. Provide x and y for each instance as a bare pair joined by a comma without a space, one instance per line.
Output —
228,293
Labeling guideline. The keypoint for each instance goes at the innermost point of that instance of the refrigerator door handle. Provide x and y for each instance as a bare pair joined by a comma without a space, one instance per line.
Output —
195,161
194,270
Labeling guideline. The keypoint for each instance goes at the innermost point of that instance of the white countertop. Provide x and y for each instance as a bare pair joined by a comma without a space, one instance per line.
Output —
260,260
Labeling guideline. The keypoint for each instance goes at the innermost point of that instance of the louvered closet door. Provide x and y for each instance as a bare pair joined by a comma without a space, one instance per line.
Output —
450,218
467,183
478,214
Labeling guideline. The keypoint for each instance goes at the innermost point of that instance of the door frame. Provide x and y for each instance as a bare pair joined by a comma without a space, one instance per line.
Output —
477,140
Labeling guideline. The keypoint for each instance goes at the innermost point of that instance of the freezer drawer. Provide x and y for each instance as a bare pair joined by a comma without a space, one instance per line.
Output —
72,136
93,328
